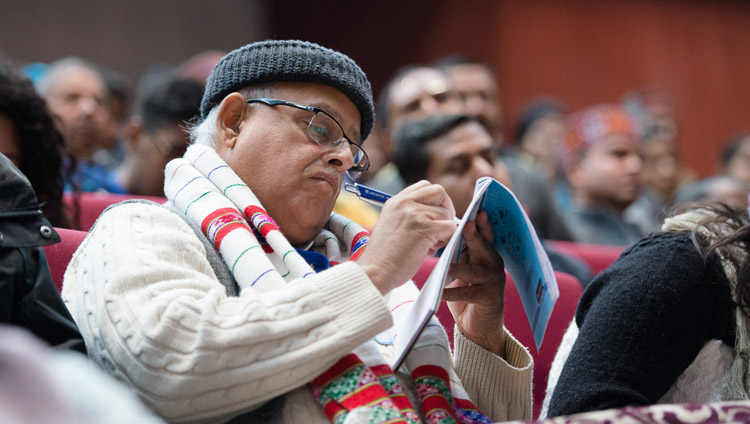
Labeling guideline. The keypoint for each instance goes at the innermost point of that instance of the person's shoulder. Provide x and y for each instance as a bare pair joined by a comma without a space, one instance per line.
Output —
657,265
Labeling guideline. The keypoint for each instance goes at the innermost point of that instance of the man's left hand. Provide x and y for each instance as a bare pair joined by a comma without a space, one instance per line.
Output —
475,298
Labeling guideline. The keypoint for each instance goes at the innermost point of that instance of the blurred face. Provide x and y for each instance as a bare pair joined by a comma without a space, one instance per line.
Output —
9,141
78,98
660,167
609,173
480,94
731,192
459,158
545,142
739,166
420,93
296,180
154,151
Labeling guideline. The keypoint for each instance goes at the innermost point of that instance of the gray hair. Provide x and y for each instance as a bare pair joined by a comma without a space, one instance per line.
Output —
205,132
58,67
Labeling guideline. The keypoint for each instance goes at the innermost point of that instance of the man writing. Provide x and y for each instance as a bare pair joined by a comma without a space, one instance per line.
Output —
241,293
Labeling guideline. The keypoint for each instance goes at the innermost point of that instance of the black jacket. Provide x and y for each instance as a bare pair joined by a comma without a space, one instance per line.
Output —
28,296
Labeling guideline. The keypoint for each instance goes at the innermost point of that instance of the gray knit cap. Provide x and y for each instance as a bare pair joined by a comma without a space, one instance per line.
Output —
290,60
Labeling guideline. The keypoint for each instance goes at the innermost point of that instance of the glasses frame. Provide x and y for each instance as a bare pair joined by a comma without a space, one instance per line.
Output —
355,170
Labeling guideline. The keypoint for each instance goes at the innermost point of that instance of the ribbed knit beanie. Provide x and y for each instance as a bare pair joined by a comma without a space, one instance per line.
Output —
290,60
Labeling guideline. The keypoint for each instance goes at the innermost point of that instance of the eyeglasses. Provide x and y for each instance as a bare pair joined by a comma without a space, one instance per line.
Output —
326,131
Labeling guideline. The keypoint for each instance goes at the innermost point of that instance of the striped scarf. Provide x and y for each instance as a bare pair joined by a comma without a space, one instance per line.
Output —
360,387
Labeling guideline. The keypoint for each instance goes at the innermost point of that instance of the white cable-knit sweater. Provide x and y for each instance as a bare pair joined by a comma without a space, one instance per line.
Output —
154,314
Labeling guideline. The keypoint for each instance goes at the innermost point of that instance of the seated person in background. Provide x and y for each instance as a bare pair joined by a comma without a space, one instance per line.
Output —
735,159
28,296
77,97
603,169
157,132
245,297
455,151
666,323
476,86
720,188
540,136
660,177
29,139
414,92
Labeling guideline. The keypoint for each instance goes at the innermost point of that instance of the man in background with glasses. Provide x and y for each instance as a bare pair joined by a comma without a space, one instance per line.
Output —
246,299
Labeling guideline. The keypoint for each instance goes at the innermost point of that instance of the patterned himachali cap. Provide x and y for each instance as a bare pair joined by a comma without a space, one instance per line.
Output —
589,126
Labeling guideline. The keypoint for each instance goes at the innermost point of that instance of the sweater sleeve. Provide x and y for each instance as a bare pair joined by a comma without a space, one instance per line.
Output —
155,315
642,322
499,387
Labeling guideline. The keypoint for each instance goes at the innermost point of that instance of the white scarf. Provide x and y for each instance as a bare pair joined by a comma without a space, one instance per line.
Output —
208,192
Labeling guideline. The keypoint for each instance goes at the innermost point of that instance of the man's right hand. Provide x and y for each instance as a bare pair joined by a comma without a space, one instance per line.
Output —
413,224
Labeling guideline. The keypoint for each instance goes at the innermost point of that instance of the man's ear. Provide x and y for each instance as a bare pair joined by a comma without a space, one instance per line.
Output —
232,111
132,133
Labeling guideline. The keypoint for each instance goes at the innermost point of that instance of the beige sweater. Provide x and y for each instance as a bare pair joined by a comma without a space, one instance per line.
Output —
154,314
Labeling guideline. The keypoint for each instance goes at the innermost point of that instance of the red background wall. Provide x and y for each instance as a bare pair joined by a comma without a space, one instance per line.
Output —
583,52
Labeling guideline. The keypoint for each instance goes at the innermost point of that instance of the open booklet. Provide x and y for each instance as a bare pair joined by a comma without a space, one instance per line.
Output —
525,260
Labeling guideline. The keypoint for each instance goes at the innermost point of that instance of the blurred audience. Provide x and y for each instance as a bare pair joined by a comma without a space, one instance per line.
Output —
455,151
28,138
478,91
720,188
156,134
77,97
414,92
603,169
477,88
735,159
540,138
661,180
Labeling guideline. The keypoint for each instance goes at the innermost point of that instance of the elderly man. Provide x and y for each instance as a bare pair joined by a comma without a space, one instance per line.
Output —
76,94
247,299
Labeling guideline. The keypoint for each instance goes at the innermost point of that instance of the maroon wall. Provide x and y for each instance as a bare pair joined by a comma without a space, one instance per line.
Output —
582,51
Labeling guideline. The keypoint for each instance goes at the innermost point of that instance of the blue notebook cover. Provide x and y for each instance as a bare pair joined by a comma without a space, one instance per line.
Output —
525,260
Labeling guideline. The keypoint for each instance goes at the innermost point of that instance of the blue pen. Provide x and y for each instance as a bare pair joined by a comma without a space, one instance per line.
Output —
372,196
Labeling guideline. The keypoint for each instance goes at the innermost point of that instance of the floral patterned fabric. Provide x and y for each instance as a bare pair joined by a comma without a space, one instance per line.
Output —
693,413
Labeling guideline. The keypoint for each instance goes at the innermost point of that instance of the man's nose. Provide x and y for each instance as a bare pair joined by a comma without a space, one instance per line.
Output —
341,156
88,105
634,164
481,167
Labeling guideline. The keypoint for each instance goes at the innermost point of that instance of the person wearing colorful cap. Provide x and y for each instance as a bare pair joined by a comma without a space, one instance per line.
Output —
603,171
245,299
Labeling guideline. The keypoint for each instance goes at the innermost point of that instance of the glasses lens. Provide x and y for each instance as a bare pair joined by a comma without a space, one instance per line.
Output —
361,161
324,130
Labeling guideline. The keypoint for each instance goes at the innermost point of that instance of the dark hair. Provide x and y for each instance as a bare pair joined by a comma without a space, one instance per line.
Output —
411,156
41,145
169,99
535,110
731,148
733,231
